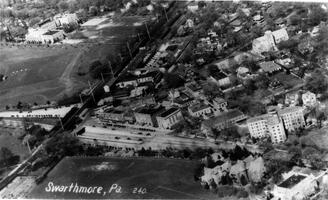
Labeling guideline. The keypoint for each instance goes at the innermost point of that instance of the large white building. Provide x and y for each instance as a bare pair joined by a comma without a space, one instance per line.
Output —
69,18
293,117
296,186
267,125
268,42
275,124
44,36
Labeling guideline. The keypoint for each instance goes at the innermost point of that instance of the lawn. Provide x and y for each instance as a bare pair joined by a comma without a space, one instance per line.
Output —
34,73
287,79
162,178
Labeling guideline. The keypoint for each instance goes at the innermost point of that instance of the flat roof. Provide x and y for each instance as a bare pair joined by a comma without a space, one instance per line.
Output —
223,117
292,181
199,106
150,110
219,75
50,32
168,112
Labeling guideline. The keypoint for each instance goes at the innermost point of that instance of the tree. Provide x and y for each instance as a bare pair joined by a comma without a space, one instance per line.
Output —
316,83
295,19
262,82
230,133
173,80
290,44
18,31
97,69
7,158
251,65
212,90
63,145
317,15
62,6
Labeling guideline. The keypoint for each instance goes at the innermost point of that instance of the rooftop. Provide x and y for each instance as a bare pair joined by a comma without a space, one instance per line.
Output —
223,117
150,110
199,106
290,110
269,66
50,32
168,112
219,75
292,181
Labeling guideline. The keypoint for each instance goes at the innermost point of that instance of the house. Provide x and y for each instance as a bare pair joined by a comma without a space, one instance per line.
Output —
199,110
139,78
44,36
193,7
267,125
219,104
269,67
222,121
268,42
309,99
169,117
306,46
146,116
194,89
292,99
183,100
220,78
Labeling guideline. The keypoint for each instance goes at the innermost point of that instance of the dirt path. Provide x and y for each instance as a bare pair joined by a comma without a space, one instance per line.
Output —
65,78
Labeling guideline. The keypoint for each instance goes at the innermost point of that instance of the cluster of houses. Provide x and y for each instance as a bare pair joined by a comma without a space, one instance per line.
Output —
251,169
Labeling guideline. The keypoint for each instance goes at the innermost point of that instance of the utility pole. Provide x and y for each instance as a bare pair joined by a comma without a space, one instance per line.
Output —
81,99
61,123
110,66
29,147
127,44
139,37
147,31
102,77
91,91
167,19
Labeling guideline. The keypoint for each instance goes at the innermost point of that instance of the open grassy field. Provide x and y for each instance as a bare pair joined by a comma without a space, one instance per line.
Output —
162,178
35,74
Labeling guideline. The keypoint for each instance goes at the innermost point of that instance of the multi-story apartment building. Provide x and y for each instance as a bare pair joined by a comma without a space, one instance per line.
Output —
268,124
275,124
292,117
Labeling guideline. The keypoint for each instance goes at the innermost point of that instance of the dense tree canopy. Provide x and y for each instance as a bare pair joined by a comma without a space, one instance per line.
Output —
316,82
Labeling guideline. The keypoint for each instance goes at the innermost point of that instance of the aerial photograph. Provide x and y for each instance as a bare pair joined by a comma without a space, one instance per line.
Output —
164,99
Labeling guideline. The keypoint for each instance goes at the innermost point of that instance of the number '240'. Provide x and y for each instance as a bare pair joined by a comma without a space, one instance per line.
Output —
140,190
